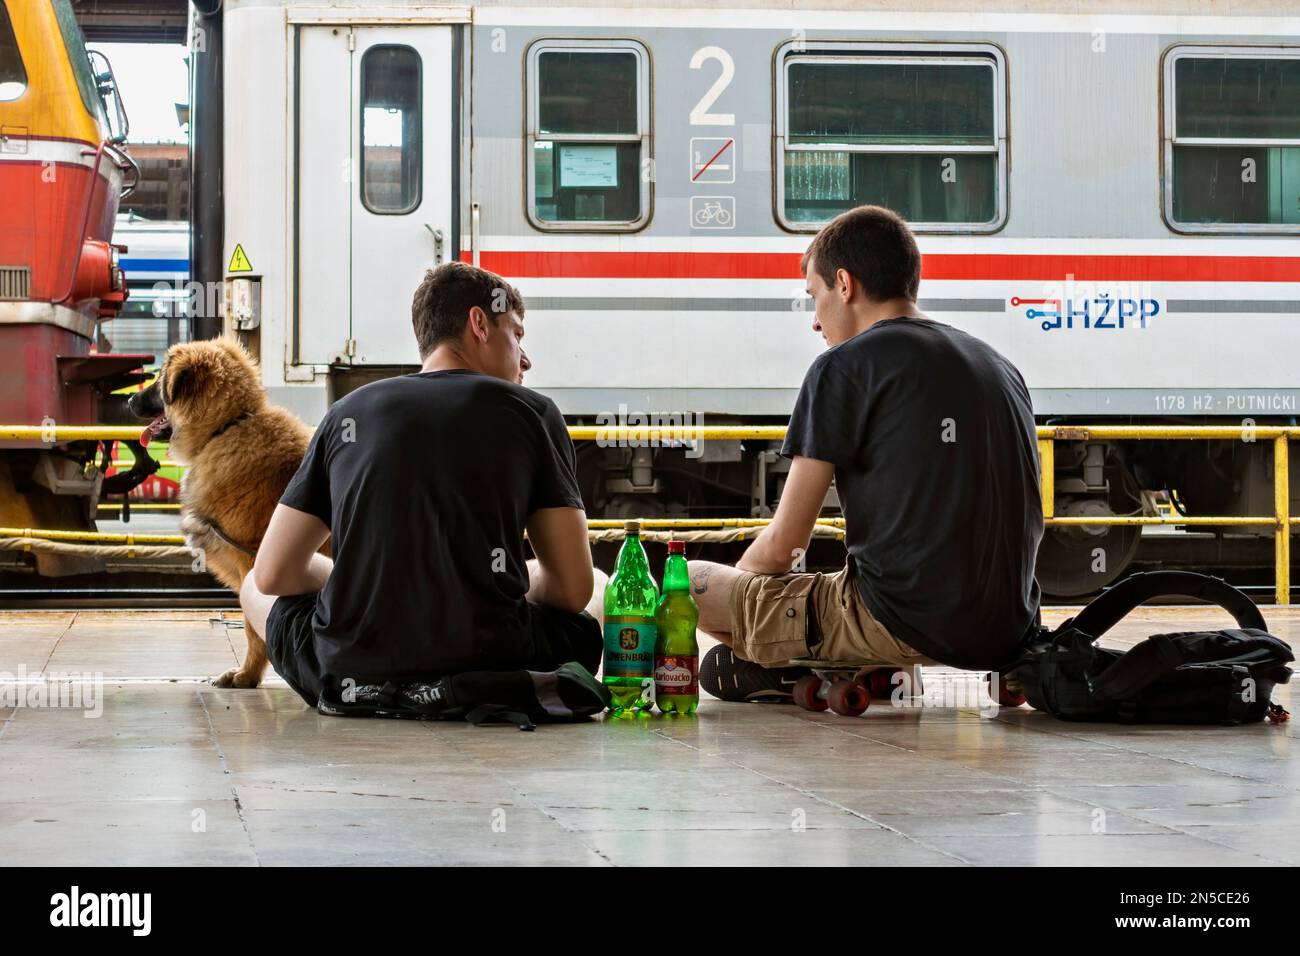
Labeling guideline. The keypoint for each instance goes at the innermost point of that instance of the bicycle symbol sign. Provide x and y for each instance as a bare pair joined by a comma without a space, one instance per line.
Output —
713,212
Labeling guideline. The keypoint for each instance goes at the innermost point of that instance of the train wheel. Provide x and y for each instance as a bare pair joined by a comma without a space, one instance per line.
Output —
848,698
807,693
1067,557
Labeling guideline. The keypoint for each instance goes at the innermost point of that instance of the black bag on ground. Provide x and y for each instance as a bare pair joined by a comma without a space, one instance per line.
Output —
520,697
1194,677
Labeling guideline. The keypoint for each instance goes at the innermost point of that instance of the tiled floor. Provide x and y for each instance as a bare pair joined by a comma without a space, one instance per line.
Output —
173,771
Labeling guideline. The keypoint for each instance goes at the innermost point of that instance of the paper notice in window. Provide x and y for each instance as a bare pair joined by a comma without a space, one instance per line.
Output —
588,166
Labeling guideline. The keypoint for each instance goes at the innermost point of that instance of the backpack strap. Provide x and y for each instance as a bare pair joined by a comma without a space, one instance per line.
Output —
1104,612
1139,667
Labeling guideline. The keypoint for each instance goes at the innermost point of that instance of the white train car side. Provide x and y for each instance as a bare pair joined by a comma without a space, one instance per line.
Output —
1112,200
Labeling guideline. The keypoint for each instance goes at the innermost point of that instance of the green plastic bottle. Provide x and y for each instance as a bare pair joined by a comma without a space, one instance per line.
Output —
630,632
677,654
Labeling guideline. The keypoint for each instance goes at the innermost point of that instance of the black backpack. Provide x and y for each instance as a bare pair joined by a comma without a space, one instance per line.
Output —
1193,677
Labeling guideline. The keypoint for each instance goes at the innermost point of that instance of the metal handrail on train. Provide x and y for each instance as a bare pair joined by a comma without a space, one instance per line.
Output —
1048,435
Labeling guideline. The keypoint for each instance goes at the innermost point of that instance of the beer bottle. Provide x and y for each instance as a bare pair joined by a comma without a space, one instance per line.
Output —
630,599
677,655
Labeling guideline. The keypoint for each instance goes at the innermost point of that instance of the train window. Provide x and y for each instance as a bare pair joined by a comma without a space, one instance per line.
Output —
13,77
391,132
588,112
79,58
1232,140
918,129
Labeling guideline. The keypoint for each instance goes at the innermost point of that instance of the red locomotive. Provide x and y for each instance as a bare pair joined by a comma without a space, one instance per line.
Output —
62,173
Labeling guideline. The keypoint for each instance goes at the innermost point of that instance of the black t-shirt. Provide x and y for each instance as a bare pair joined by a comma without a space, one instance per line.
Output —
931,433
426,482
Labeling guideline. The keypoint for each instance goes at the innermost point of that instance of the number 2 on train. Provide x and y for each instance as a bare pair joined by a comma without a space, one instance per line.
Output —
700,115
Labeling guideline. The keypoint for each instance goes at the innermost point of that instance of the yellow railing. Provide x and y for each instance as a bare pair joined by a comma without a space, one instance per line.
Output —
1281,519
92,537
667,433
62,433
593,524
142,506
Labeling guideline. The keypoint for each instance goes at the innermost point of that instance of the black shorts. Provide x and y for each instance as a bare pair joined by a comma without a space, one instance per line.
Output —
291,645
562,636
558,637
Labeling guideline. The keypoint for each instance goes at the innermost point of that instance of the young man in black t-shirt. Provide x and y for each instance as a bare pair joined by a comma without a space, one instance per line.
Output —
424,484
929,435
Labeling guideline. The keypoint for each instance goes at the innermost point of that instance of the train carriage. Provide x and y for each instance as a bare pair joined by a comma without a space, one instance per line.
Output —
1112,200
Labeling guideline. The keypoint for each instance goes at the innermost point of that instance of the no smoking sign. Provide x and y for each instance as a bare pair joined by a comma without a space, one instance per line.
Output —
713,159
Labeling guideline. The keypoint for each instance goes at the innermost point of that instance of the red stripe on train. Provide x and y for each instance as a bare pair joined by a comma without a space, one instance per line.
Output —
942,266
42,219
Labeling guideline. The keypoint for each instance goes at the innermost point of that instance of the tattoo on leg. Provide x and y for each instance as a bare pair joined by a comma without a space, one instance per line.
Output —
701,582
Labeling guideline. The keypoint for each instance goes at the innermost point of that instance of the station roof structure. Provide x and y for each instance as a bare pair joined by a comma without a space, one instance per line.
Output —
133,21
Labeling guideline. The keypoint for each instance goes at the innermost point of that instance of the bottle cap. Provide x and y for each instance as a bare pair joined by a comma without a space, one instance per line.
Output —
632,527
676,547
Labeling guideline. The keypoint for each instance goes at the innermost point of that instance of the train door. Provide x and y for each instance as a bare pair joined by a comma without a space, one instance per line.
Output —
374,189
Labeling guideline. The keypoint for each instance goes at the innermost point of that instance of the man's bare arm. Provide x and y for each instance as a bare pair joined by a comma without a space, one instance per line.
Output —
559,539
287,562
782,542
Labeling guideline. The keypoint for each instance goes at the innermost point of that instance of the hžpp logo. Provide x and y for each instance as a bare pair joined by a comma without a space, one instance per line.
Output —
1091,312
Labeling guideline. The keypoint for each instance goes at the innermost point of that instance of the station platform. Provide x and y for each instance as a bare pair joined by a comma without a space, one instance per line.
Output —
152,766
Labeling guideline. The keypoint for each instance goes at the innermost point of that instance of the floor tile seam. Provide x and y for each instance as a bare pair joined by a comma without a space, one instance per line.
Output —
519,792
225,769
823,800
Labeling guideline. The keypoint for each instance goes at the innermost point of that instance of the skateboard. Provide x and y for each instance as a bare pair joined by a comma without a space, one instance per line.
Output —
848,687
845,687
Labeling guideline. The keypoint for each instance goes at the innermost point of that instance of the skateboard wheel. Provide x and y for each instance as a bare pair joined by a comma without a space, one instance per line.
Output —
881,683
1006,696
807,690
848,698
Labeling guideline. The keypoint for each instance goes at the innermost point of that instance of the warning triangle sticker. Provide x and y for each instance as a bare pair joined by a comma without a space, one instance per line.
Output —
239,261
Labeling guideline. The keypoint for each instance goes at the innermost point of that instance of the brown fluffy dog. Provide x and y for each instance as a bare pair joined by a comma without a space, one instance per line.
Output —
240,451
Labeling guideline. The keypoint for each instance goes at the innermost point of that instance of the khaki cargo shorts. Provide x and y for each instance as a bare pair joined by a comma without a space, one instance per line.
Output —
770,626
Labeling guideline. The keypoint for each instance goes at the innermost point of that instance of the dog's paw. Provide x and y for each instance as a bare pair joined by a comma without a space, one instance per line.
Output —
236,678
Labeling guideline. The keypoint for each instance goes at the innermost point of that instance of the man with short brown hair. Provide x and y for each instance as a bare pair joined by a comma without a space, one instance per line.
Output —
424,485
929,435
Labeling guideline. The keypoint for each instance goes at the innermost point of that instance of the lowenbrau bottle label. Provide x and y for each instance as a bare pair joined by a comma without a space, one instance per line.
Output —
676,674
630,646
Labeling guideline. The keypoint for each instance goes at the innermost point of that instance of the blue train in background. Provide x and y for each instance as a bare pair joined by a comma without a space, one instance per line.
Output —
157,268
